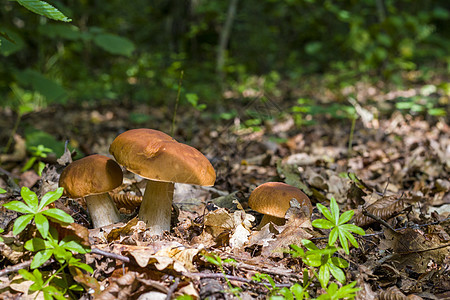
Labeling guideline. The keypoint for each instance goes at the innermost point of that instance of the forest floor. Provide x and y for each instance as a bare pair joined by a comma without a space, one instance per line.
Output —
395,173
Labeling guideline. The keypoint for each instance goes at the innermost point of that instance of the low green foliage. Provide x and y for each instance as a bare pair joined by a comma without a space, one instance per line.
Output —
36,154
33,209
57,284
338,226
334,293
44,9
217,261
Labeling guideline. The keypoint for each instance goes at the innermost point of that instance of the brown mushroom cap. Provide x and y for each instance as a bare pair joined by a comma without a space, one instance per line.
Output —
272,198
91,175
156,156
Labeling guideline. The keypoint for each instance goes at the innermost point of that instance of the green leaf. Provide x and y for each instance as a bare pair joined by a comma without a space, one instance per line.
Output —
334,208
11,42
114,44
345,217
343,241
332,238
73,246
30,198
337,273
297,290
28,164
49,88
21,222
51,197
322,223
42,225
76,263
353,228
325,212
350,238
44,9
36,244
27,275
19,207
339,262
324,275
40,258
2,191
58,215
309,245
40,168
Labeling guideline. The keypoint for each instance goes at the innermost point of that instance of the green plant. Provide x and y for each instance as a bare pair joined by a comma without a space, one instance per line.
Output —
217,261
322,259
338,226
37,153
55,284
44,9
193,100
33,209
296,291
345,292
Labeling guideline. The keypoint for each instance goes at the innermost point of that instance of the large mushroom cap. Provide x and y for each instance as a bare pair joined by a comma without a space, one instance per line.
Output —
91,175
272,198
156,156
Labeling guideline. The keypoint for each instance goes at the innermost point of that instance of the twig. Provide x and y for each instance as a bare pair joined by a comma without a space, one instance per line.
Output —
378,219
20,266
110,255
172,288
232,278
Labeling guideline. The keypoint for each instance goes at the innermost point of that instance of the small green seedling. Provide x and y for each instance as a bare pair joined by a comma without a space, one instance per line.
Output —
216,260
56,284
33,209
37,153
338,226
345,292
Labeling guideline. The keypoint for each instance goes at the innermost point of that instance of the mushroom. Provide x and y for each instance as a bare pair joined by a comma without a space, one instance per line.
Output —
91,178
163,161
272,199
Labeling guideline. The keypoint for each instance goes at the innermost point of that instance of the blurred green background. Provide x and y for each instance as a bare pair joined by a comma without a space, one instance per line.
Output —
133,52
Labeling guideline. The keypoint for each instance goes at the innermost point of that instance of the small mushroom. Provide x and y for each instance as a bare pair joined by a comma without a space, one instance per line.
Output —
163,161
272,199
91,178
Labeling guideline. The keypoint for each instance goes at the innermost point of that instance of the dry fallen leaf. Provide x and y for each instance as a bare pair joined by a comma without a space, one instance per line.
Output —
414,249
298,221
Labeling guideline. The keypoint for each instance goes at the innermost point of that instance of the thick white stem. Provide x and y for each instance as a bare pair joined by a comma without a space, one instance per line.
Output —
156,206
102,210
267,218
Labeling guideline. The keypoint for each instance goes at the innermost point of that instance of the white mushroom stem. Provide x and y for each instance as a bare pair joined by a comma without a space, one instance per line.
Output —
102,210
268,218
156,206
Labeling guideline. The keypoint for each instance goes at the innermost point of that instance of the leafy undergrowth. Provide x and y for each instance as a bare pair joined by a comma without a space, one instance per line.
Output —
391,170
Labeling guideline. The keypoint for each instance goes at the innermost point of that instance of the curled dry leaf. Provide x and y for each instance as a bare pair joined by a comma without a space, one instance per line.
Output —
236,225
173,256
383,208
